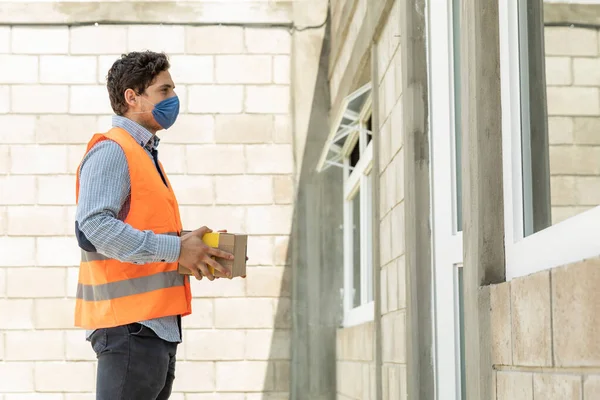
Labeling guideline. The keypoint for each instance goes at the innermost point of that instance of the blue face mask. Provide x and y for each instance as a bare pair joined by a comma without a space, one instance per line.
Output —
166,112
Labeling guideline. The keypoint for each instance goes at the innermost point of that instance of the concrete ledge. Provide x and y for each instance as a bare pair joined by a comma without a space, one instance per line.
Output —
576,14
146,12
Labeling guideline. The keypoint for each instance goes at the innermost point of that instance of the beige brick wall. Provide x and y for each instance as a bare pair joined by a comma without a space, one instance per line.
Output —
545,334
230,161
355,366
573,90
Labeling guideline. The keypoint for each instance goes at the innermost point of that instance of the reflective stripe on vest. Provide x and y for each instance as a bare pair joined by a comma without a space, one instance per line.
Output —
113,290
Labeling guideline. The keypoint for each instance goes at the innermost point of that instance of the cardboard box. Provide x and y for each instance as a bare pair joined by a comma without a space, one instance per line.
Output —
235,244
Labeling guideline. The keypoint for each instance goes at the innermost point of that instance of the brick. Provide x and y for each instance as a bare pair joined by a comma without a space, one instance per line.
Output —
244,128
282,252
266,344
240,69
244,189
172,157
72,279
268,41
195,377
4,159
576,101
270,159
105,62
531,315
161,38
586,131
34,345
570,41
514,385
214,40
4,99
193,189
267,99
269,281
68,69
40,99
282,70
383,298
216,218
282,375
562,157
202,314
54,313
16,377
190,129
38,159
588,191
269,220
215,160
106,39
34,396
36,282
267,396
209,345
392,287
18,69
2,294
16,314
571,311
215,396
394,335
284,189
77,348
40,40
17,129
219,288
87,396
57,251
501,321
17,251
557,387
559,71
209,99
89,99
591,387
244,313
192,69
5,39
560,130
64,129
74,156
283,129
398,231
64,376
585,71
563,190
396,129
260,250
251,376
56,190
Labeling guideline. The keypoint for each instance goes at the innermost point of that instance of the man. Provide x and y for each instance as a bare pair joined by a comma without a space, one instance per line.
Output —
130,297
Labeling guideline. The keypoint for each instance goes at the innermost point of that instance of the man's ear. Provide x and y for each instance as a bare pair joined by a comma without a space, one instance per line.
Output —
130,97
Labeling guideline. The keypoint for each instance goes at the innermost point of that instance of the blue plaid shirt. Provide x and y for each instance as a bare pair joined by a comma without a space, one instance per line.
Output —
104,201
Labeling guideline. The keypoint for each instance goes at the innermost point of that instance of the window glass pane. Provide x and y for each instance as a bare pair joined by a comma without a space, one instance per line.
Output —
369,126
355,154
457,113
356,251
560,114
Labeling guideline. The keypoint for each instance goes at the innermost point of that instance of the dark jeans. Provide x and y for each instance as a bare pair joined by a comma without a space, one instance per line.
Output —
133,364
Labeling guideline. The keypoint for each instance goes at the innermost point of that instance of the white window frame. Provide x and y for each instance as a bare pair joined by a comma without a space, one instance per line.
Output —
568,241
359,177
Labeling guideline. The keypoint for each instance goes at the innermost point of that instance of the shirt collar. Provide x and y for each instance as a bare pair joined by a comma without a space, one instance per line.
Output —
141,135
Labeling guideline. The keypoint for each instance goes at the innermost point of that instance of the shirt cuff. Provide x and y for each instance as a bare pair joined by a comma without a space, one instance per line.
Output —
168,248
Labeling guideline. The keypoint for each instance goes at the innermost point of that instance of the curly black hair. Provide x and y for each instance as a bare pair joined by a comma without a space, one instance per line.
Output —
135,70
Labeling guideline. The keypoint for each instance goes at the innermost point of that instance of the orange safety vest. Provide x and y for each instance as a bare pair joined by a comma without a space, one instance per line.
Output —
113,293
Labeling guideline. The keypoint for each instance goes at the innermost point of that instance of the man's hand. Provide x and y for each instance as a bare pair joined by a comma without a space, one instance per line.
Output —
196,255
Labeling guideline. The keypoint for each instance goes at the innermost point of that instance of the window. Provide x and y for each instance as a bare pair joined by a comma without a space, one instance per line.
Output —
551,137
349,147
